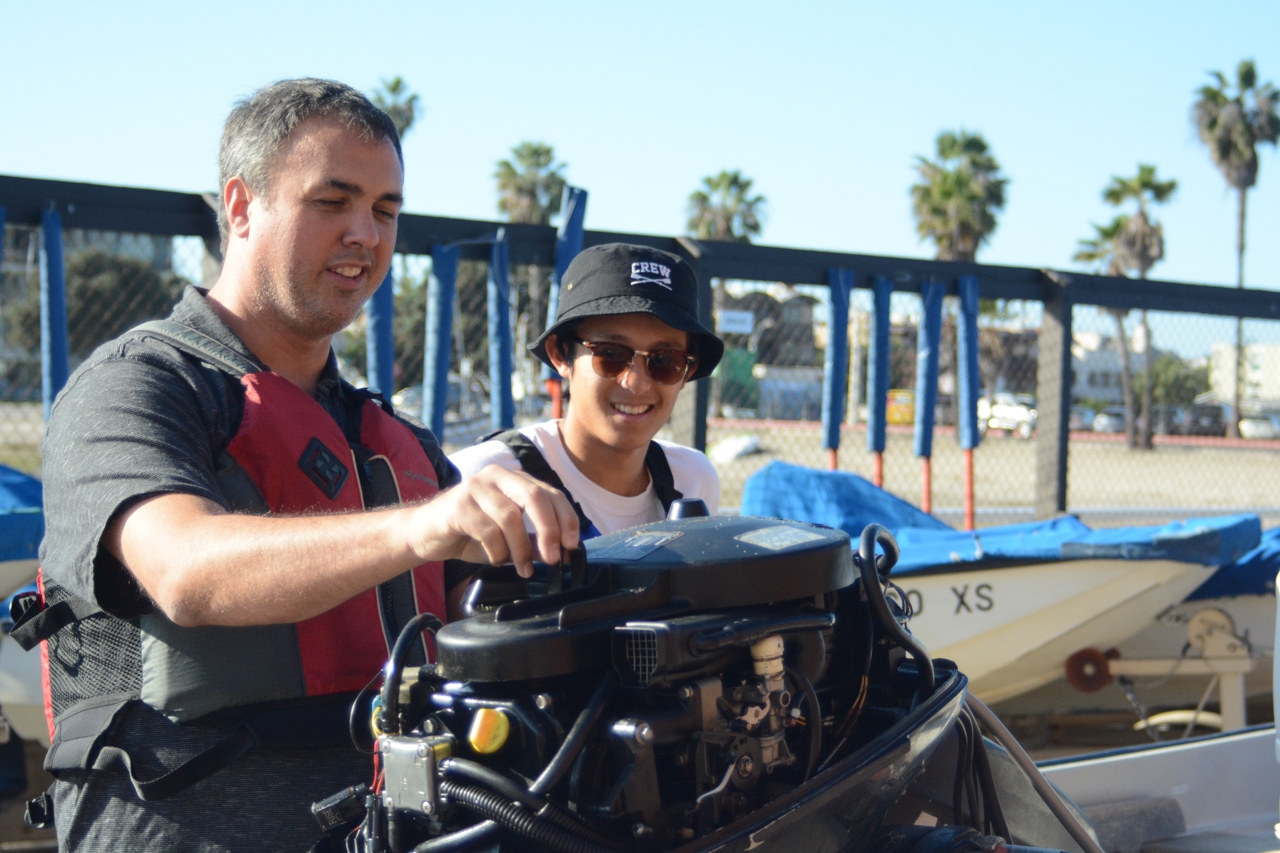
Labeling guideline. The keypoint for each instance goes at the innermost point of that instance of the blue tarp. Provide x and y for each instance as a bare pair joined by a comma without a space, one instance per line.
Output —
1252,574
850,503
833,498
21,515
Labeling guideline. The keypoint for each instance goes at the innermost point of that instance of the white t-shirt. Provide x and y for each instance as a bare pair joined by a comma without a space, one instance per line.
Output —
692,472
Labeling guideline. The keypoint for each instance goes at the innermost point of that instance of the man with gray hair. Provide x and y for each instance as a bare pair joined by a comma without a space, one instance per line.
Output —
235,535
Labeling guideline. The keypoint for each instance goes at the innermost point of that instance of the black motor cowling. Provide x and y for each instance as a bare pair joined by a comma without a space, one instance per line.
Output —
723,568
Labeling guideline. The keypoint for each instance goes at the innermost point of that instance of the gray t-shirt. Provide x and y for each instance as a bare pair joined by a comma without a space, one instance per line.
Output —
140,418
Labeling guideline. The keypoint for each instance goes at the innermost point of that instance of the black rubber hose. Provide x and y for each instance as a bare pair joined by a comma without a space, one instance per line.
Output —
957,788
815,719
576,739
508,788
548,779
990,796
517,819
1051,799
874,572
390,722
493,780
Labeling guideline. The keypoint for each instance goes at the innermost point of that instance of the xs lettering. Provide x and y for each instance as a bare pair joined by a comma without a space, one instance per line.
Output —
982,595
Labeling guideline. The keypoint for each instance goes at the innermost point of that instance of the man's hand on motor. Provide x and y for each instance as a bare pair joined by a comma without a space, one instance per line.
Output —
481,520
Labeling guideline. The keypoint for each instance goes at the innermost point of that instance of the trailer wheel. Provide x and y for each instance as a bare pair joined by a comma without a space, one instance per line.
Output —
1088,671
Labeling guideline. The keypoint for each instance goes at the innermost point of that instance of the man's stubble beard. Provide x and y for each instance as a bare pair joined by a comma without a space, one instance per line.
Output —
298,308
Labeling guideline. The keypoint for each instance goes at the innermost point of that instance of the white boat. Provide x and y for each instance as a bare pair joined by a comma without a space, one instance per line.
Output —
1011,628
1012,604
1238,601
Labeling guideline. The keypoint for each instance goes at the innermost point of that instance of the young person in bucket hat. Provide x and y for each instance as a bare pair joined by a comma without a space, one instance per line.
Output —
626,339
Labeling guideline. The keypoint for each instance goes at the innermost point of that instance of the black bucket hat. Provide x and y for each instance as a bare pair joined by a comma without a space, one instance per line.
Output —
619,278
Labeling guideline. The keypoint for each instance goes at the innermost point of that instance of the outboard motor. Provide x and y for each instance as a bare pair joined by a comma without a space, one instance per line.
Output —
703,682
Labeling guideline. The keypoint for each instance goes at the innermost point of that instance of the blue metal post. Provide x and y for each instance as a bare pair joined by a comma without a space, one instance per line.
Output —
573,211
878,373
927,341
502,408
835,370
927,338
379,338
53,310
970,381
439,337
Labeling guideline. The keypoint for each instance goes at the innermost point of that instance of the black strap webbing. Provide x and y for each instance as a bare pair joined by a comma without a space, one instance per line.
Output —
84,739
33,623
200,345
660,472
535,465
195,769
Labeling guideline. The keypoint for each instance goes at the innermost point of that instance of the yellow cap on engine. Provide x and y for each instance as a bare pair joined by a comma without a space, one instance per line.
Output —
489,730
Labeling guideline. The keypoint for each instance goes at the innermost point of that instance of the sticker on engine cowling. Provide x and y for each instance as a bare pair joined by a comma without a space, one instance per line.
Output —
636,546
779,538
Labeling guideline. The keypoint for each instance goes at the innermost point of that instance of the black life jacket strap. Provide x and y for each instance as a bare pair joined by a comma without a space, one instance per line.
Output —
536,466
397,602
33,622
533,463
660,472
84,738
200,345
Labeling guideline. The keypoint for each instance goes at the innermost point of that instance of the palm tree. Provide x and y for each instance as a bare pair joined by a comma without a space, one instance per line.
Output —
1102,251
529,189
956,201
394,98
724,209
1232,126
1138,246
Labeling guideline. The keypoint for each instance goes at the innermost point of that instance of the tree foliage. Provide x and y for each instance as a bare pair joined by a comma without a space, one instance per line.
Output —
530,188
395,99
1139,245
1233,124
959,193
1174,382
725,209
106,295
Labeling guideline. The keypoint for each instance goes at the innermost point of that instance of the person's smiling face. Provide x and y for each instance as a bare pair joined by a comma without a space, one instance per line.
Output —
624,413
322,234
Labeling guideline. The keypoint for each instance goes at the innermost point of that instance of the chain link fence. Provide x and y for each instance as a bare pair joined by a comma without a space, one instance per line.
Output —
1189,466
766,397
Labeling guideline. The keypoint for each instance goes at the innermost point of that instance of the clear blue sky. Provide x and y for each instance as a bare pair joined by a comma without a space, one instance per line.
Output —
825,105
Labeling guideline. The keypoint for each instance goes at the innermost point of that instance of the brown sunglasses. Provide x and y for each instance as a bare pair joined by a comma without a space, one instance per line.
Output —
665,366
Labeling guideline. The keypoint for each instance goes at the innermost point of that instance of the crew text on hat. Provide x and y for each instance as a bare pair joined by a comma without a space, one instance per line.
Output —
647,272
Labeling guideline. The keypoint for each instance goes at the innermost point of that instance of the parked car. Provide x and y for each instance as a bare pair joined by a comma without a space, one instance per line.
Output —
1260,426
1167,420
1206,419
1110,419
1080,418
1015,413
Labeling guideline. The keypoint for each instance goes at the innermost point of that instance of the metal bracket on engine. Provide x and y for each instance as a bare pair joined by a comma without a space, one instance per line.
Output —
410,771
636,791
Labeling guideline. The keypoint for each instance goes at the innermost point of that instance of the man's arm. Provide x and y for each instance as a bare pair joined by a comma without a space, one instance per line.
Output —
202,565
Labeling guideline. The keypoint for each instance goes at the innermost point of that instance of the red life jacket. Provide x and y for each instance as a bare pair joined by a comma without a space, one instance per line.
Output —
300,462
288,457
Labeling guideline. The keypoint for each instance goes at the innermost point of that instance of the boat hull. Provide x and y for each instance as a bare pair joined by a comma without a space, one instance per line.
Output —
1011,628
